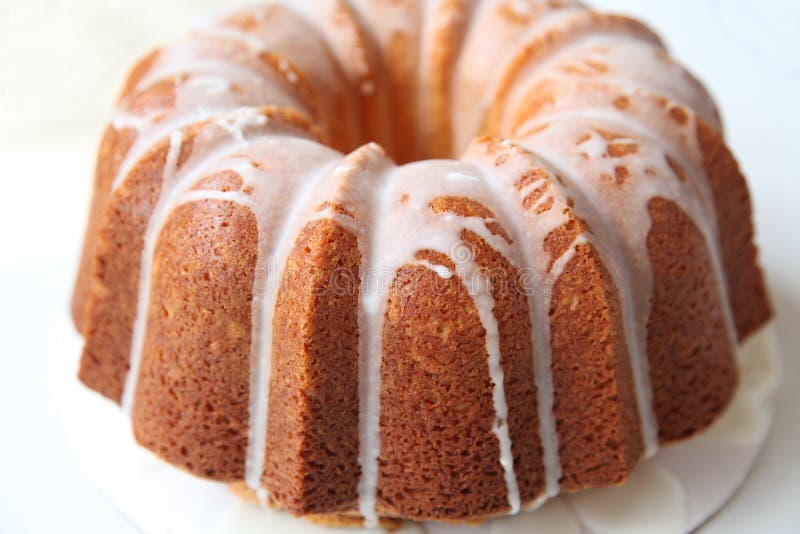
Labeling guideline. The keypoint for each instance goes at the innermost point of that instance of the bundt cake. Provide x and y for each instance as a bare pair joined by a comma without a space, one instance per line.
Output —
446,339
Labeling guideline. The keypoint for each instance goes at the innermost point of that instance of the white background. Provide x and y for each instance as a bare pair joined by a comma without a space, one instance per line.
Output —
60,65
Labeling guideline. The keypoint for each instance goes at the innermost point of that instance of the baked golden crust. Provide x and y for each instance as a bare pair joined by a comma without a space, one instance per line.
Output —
312,446
438,452
599,435
746,286
192,394
451,21
693,375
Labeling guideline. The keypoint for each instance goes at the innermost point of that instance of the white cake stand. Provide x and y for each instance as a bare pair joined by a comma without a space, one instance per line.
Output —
675,491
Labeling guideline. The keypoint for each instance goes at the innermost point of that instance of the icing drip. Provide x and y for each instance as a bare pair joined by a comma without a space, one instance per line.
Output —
623,245
229,196
271,261
143,301
611,251
531,230
173,184
212,29
371,309
481,293
229,144
279,197
444,272
422,229
235,122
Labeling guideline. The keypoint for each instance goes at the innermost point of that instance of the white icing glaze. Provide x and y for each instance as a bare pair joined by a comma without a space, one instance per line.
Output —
212,28
143,300
480,290
371,309
443,271
270,189
194,102
622,62
634,301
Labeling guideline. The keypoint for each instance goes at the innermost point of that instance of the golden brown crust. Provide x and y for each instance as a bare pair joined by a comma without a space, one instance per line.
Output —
113,147
595,407
599,434
360,58
221,181
111,302
443,54
438,455
401,71
137,73
693,371
159,96
745,281
746,286
468,207
312,445
191,404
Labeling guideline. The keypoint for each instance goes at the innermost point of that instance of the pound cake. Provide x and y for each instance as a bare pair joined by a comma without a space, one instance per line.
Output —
430,260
